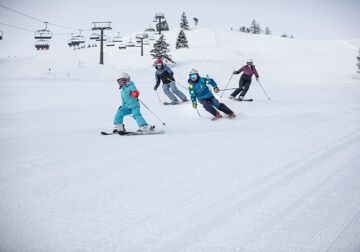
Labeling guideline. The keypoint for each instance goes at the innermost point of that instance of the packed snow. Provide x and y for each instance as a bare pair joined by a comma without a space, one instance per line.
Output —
283,176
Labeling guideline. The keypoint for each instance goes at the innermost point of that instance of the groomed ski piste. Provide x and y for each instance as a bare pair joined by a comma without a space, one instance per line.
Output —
283,176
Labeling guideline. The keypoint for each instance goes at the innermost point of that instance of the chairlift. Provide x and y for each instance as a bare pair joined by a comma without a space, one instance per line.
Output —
122,46
94,35
43,34
42,44
80,39
130,44
150,29
104,38
110,43
117,39
74,41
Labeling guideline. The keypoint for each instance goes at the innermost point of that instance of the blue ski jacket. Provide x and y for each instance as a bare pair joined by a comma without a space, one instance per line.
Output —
127,100
200,90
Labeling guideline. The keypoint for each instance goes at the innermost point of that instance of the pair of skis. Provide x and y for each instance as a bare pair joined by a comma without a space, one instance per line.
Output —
132,133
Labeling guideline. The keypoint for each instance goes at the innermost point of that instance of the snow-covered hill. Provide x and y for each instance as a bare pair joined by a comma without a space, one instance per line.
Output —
283,176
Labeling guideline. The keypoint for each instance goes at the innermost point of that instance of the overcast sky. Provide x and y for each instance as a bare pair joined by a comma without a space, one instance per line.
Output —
306,19
309,19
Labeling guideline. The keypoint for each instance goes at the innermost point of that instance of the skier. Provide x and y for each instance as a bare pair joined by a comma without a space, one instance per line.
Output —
199,90
166,75
130,105
245,79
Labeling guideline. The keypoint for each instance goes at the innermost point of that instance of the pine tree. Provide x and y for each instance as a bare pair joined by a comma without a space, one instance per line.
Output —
181,41
184,24
161,49
267,31
242,29
358,64
254,27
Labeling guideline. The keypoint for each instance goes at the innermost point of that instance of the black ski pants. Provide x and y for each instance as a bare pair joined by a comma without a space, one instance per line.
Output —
244,85
211,103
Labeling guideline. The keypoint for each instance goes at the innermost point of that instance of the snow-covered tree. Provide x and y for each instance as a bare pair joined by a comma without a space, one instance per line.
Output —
255,27
358,64
184,24
161,49
181,41
196,21
242,29
267,31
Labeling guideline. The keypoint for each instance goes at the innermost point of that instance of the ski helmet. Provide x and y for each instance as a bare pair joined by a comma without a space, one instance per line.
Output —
194,74
124,79
194,71
249,61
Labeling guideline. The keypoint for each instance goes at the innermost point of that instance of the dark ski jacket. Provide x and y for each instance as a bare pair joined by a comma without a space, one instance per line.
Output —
248,70
200,90
164,74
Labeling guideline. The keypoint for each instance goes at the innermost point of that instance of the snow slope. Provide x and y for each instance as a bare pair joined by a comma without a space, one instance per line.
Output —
283,176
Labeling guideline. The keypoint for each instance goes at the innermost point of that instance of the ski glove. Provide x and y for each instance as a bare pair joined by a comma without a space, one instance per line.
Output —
216,90
135,94
155,87
194,104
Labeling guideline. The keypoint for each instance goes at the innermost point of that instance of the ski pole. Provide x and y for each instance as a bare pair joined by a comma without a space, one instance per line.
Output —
158,95
263,89
226,85
198,112
152,112
227,89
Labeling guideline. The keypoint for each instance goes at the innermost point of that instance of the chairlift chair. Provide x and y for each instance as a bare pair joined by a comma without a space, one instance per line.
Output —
122,46
104,38
110,43
117,39
94,35
43,34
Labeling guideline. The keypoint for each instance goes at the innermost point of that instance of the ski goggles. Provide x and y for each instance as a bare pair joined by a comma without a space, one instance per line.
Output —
122,81
193,76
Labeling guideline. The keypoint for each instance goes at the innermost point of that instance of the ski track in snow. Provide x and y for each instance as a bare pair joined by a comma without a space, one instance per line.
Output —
283,176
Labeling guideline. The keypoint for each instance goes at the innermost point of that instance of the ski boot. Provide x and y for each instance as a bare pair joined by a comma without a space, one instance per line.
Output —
217,116
146,128
232,115
119,128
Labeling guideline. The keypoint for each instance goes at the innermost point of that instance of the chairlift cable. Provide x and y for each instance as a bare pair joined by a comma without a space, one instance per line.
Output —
37,19
17,27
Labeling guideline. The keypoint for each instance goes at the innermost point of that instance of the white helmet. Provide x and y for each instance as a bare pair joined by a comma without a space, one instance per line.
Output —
194,71
249,61
124,79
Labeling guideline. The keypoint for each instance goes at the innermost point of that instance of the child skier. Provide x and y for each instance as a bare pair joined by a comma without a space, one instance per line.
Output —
166,75
130,105
199,90
245,79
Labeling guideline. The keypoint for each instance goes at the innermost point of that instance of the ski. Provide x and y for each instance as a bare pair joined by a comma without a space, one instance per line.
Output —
248,100
174,103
